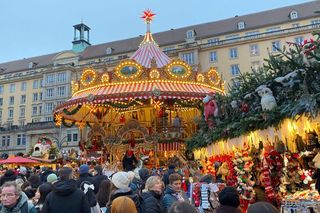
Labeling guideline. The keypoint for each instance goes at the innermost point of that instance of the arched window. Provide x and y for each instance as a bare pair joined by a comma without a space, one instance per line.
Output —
293,14
190,34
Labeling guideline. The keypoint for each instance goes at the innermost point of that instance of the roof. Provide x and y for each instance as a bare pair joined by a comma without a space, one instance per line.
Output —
206,30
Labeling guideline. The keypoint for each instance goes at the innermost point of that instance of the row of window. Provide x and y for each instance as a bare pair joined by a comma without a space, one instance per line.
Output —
22,113
21,140
60,92
60,77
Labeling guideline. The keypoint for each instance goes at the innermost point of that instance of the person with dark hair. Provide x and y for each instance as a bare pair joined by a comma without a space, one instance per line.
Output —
165,178
103,194
98,178
144,174
8,176
173,191
65,196
229,200
34,180
84,175
207,179
262,207
88,188
42,192
182,207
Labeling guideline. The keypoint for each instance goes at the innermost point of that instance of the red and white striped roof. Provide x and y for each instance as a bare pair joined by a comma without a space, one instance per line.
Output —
138,90
149,50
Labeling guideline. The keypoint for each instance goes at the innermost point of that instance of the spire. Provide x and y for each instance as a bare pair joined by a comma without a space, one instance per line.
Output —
148,49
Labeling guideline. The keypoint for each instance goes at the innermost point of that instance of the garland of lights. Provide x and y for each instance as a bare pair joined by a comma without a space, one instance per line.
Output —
105,78
130,63
122,105
184,103
179,63
88,77
72,112
213,76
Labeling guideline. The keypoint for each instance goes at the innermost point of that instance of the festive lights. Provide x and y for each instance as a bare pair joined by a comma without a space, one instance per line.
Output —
131,66
154,74
74,86
105,78
88,77
214,76
178,69
58,119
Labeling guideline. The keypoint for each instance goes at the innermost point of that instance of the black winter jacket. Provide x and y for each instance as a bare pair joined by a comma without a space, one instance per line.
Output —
66,198
152,202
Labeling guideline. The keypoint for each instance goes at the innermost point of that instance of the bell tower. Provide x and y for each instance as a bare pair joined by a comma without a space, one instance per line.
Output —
81,37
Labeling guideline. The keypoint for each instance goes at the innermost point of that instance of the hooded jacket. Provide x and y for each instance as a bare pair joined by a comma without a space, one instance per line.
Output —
126,192
85,177
66,198
22,206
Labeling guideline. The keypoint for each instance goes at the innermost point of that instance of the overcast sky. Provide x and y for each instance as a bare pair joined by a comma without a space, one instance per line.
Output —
37,27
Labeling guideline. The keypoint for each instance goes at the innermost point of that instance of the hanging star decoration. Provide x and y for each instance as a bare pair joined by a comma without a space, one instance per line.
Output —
147,16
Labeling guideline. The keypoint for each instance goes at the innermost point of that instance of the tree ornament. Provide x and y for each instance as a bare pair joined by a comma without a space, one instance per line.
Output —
268,102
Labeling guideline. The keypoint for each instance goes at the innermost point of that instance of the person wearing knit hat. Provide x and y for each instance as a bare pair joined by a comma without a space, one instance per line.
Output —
229,200
52,178
262,207
84,175
121,180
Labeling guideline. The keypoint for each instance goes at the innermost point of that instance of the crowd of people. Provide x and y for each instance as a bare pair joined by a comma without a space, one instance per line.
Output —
87,189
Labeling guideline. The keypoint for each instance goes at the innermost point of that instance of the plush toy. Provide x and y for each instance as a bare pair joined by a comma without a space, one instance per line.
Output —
210,108
268,102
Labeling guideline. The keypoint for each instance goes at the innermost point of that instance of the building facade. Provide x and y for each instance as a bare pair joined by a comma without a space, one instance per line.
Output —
31,88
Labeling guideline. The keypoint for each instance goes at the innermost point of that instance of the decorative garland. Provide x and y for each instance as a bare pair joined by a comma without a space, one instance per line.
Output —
68,124
122,105
184,103
292,79
72,112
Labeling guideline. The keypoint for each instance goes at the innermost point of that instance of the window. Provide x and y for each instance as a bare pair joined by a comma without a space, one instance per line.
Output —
50,118
190,34
61,91
49,79
273,30
61,77
12,88
275,46
11,100
234,69
252,34
168,49
40,96
23,99
69,136
255,65
213,41
233,53
1,101
213,56
34,110
298,40
35,97
23,86
3,140
22,112
254,49
8,140
1,89
233,38
10,115
241,25
108,51
41,83
315,23
49,93
35,84
293,14
21,139
0,115
75,137
48,107
40,110
188,57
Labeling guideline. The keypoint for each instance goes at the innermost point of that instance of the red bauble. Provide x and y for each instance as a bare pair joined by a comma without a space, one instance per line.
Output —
244,107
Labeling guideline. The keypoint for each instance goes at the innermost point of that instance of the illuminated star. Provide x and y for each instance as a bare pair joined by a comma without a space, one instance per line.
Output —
147,15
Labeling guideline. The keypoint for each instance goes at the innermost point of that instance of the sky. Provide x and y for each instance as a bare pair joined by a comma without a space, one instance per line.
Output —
31,28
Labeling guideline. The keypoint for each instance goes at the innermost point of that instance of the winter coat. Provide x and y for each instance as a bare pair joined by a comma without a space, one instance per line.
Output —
169,198
129,163
126,192
97,180
85,177
316,175
227,209
66,198
8,176
152,202
165,178
22,206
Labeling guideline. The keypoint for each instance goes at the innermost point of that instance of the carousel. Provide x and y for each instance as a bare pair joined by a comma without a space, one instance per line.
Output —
148,104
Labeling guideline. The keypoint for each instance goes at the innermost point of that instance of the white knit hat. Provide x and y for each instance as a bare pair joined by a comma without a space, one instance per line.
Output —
121,180
131,175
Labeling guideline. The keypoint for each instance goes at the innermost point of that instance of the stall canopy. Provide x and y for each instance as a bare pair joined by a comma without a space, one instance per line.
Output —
17,160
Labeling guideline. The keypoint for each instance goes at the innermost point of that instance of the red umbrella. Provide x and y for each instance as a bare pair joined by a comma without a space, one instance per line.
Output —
17,160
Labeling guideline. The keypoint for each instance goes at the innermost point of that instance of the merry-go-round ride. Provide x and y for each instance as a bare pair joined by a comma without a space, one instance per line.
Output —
148,104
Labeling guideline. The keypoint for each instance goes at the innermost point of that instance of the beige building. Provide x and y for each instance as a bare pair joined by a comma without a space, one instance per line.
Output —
31,88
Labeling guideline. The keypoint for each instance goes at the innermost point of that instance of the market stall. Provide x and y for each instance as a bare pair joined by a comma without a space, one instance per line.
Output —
147,104
265,136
